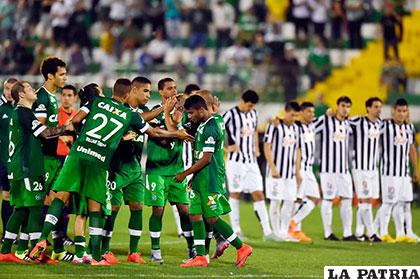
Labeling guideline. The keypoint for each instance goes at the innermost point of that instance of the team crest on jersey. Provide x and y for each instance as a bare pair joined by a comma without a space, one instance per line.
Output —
309,136
289,140
374,133
247,132
112,109
340,134
210,140
400,140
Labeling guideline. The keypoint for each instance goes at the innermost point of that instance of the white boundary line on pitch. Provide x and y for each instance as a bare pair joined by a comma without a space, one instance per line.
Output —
169,275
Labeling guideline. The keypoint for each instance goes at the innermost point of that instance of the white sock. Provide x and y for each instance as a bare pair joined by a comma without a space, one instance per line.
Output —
360,228
274,212
398,214
366,216
285,215
408,220
261,211
326,214
346,216
296,207
377,221
177,219
234,215
304,211
385,212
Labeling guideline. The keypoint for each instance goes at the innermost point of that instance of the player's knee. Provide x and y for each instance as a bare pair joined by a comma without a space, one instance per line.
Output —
5,195
116,208
236,196
195,217
135,206
212,220
157,211
258,196
183,209
63,196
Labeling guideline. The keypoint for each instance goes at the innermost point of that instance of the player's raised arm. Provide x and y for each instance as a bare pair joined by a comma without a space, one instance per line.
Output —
150,115
160,133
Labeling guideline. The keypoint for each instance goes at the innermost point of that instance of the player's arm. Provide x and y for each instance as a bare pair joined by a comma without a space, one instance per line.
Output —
204,161
29,122
77,120
257,145
413,159
268,153
298,161
150,115
169,106
40,109
164,134
230,142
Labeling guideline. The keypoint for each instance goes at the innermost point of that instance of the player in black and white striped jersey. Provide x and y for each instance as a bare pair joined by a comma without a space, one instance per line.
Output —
365,151
397,142
281,149
308,191
242,171
334,164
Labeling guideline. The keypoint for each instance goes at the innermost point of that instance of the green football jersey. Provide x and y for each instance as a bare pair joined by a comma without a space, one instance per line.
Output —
46,106
163,158
107,121
25,151
6,109
209,139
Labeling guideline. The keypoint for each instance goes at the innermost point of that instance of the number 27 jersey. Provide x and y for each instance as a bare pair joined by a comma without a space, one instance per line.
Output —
106,123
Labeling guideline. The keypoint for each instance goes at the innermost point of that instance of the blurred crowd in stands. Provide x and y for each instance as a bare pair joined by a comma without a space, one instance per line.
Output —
241,34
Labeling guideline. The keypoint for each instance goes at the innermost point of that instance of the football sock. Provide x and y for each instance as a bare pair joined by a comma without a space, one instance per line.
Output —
51,219
234,215
227,232
346,216
398,214
262,215
365,211
6,212
274,211
285,215
177,219
326,214
377,221
12,228
23,237
79,245
408,220
199,237
155,227
107,231
385,211
187,229
135,226
304,211
360,228
34,224
96,224
209,236
63,222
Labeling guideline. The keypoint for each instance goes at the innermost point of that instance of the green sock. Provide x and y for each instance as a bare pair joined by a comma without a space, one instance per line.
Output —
23,237
18,216
199,237
107,232
209,236
54,212
187,228
34,224
96,225
155,227
135,226
58,244
226,231
80,243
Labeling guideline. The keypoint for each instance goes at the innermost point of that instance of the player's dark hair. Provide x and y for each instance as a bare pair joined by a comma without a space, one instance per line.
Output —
16,89
401,102
190,88
344,99
140,80
122,87
207,96
10,80
88,93
306,105
161,83
292,105
70,87
50,66
195,102
369,102
250,96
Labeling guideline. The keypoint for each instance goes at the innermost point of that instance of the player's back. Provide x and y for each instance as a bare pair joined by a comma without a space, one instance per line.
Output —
106,123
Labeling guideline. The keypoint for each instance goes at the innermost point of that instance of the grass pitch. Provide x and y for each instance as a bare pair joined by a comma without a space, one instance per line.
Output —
269,260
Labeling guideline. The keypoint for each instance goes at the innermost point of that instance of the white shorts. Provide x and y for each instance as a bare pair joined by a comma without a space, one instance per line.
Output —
406,191
281,189
243,177
336,184
391,188
309,186
366,183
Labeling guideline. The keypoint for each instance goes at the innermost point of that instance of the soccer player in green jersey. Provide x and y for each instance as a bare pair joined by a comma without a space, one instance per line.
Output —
26,177
164,160
125,180
54,72
207,183
85,170
6,108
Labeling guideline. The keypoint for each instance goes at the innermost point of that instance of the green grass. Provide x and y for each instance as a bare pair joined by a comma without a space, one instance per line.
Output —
269,260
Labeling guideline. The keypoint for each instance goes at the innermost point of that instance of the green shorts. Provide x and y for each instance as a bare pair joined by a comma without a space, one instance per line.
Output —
85,179
160,189
205,203
78,205
126,185
27,192
225,204
51,168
